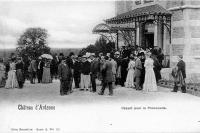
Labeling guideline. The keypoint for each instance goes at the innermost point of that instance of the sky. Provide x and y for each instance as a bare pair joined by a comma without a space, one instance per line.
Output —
69,23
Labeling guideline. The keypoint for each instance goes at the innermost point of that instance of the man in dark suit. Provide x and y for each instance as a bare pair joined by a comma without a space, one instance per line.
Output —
77,71
138,69
40,69
94,69
20,72
70,64
181,75
107,76
124,66
64,73
143,69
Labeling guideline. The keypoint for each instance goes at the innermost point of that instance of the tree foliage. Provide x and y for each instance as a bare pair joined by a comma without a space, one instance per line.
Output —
33,43
100,46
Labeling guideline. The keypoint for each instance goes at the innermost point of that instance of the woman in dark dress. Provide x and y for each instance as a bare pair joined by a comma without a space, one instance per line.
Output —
46,77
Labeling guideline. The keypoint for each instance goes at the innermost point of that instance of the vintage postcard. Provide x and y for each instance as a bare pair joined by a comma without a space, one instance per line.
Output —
100,66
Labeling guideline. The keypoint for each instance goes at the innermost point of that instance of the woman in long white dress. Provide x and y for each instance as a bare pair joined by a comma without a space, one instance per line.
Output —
150,79
11,82
130,76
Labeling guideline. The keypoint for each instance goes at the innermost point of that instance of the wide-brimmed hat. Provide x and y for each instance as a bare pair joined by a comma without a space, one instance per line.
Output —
84,56
117,53
92,54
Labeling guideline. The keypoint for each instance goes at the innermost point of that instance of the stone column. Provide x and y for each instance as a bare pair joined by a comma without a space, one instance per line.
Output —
156,34
137,35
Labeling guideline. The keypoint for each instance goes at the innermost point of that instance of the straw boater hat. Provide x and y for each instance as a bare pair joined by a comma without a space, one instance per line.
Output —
84,56
92,54
117,52
88,54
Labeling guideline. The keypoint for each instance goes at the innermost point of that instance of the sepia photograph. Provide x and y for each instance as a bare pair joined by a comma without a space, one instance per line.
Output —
92,66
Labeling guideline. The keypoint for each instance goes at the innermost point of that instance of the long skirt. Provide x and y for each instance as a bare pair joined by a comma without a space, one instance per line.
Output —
46,77
130,79
149,81
11,82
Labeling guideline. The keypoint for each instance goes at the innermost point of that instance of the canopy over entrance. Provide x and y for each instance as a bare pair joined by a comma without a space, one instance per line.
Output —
152,12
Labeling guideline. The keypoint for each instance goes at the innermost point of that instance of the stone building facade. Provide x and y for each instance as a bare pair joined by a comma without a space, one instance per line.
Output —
185,31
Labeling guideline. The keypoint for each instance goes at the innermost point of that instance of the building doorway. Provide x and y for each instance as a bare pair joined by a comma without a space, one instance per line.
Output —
149,40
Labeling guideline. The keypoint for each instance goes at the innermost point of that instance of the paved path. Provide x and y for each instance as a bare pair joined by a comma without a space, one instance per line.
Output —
50,92
89,112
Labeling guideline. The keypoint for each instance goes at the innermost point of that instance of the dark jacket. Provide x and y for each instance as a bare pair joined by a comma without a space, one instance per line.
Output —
20,71
95,66
181,67
107,69
85,68
64,72
77,68
138,67
40,65
69,62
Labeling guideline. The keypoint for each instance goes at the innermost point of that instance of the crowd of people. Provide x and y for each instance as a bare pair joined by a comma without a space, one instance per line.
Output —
138,69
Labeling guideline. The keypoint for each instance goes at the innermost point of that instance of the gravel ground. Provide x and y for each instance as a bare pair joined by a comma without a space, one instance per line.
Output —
50,93
84,111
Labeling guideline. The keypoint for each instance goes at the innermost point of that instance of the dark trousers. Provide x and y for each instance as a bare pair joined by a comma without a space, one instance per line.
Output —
123,77
183,88
39,75
77,80
104,87
70,84
142,77
32,77
117,82
138,83
93,81
64,87
21,84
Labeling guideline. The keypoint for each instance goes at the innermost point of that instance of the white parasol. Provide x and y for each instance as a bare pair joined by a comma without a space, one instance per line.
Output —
47,56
